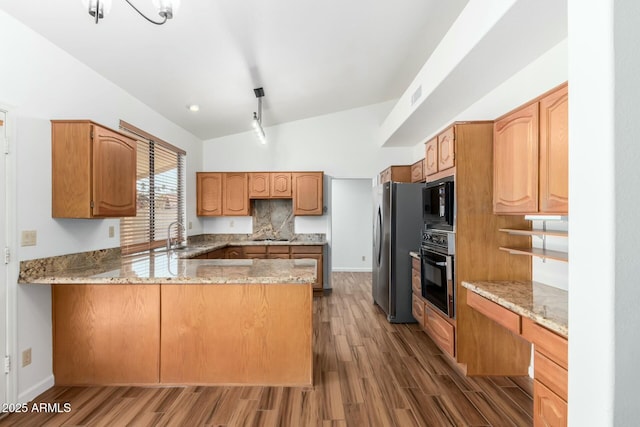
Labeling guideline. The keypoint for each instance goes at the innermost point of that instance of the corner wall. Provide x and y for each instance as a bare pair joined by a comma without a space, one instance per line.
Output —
40,82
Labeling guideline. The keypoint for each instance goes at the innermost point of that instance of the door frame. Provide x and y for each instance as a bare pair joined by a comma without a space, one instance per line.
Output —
11,383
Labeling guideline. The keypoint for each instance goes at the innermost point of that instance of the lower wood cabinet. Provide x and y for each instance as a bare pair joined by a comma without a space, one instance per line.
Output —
440,330
550,386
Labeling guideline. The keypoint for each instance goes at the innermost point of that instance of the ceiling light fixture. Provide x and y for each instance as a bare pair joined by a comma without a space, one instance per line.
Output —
166,8
193,108
257,117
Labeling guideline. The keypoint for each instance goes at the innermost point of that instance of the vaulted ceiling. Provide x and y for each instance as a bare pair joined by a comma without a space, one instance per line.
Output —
312,58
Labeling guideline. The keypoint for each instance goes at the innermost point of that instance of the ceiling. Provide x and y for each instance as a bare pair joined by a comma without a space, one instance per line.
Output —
312,58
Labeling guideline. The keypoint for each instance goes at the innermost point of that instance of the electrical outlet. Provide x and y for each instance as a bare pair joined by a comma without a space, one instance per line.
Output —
231,223
364,258
28,238
112,231
190,225
26,357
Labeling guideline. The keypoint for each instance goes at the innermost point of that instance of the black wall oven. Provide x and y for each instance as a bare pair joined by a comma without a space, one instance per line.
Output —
437,270
438,206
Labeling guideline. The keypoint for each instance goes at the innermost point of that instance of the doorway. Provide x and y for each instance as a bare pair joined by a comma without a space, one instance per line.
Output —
351,224
4,245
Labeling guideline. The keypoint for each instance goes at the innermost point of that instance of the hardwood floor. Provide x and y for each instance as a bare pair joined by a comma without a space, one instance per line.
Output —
366,372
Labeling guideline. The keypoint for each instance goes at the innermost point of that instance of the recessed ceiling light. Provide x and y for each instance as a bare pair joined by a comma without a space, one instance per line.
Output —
193,108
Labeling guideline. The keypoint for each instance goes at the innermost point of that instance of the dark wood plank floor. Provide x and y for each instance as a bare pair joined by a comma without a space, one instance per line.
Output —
367,372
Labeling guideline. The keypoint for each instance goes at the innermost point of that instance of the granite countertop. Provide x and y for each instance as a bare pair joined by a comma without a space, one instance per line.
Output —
166,268
414,254
541,303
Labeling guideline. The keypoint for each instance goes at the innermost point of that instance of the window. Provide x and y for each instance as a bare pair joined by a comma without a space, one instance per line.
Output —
160,193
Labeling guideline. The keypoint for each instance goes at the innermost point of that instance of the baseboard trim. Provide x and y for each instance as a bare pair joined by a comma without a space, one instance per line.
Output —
33,392
352,270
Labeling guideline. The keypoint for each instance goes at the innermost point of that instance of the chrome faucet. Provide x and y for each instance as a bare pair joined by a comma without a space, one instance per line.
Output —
171,244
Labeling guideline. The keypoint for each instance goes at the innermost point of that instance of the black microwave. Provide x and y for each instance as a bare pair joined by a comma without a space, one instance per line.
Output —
438,204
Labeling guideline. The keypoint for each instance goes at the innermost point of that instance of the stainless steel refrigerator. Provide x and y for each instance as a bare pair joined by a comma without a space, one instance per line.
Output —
397,227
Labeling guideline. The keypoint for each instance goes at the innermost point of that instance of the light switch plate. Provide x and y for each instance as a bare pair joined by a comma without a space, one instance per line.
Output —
111,231
28,238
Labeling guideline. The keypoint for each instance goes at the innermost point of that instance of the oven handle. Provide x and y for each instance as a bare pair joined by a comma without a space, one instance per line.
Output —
449,268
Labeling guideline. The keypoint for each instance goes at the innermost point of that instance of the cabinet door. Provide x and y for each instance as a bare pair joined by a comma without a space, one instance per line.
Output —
431,157
235,194
554,152
416,171
515,162
307,193
281,185
259,185
209,193
233,252
114,174
446,149
549,410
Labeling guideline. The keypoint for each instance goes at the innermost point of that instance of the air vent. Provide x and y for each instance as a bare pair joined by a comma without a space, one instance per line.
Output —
416,95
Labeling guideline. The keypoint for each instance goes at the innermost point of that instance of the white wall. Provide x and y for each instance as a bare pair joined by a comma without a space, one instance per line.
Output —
351,224
603,274
40,82
341,144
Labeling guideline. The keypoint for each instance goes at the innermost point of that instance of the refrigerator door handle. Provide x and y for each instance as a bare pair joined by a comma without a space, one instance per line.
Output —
379,234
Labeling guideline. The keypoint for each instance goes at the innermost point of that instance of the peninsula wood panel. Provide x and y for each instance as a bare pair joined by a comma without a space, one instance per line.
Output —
106,334
554,152
246,334
515,180
482,346
209,193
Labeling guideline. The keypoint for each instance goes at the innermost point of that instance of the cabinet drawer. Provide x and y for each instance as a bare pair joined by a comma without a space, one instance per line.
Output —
416,284
495,312
550,374
549,410
306,249
255,250
417,309
441,331
548,343
278,249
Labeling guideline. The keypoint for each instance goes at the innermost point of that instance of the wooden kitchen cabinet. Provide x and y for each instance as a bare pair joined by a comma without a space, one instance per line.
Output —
94,171
439,153
398,173
278,252
531,157
233,252
255,252
235,194
270,185
209,193
307,193
280,185
417,173
311,252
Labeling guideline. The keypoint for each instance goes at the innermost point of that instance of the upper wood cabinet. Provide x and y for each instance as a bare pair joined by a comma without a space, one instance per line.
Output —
270,185
439,153
531,157
396,174
93,171
307,193
554,152
417,171
235,194
209,193
281,186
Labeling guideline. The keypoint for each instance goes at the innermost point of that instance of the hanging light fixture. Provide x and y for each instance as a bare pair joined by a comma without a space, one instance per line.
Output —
257,117
166,8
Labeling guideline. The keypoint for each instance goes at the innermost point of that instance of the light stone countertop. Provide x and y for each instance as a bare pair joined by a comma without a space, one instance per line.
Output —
164,268
414,254
541,303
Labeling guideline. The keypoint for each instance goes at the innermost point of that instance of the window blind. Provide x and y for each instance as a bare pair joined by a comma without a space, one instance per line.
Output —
160,194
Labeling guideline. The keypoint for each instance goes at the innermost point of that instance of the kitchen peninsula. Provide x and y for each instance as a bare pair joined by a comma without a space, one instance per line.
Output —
163,318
